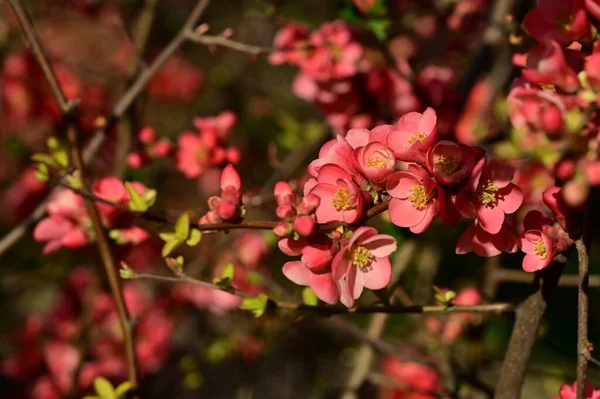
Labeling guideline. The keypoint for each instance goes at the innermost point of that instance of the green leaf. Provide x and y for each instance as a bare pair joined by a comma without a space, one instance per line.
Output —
257,305
219,350
74,180
61,157
182,226
126,272
104,388
170,246
42,173
308,297
379,28
45,159
136,202
149,197
194,239
53,143
90,397
122,389
226,276
166,236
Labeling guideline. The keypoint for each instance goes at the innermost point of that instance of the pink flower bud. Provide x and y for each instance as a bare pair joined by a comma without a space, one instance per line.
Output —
285,211
566,216
213,217
162,148
135,160
218,156
336,235
147,135
230,178
552,119
591,171
308,204
228,210
214,202
304,225
283,230
284,194
565,169
231,195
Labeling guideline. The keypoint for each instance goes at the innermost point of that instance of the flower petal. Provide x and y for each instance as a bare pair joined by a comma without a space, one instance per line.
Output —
380,274
297,272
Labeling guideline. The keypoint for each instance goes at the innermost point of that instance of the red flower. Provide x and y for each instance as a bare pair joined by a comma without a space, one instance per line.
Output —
415,134
563,21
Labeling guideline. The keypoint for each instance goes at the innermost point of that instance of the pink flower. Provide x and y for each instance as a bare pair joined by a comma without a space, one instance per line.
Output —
570,392
62,360
592,70
593,7
194,154
490,195
289,38
363,261
547,64
421,382
449,162
415,134
564,21
220,125
375,161
321,282
484,244
337,151
341,199
416,199
539,247
566,215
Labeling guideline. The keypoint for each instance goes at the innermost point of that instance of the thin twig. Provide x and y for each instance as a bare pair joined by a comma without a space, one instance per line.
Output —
222,41
582,245
110,267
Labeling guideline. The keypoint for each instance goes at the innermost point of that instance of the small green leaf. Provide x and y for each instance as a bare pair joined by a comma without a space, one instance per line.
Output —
104,388
74,180
136,203
175,264
228,271
42,174
149,197
170,246
53,143
182,226
257,305
379,28
166,236
122,389
226,276
308,297
126,272
194,239
45,159
61,157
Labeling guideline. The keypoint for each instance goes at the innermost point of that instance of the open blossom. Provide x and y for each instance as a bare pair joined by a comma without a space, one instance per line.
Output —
539,247
338,152
314,267
414,135
420,381
564,21
416,198
341,200
289,38
570,392
449,162
547,63
478,240
490,195
363,261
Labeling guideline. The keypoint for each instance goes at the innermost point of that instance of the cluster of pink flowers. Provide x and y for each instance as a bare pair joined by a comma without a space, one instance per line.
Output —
296,217
552,105
68,224
204,149
153,147
49,356
228,206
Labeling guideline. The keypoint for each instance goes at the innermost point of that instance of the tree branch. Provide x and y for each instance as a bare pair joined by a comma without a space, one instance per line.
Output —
582,245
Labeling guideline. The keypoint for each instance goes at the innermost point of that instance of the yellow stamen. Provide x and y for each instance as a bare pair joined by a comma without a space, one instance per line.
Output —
446,165
362,258
341,199
420,137
540,249
488,193
376,163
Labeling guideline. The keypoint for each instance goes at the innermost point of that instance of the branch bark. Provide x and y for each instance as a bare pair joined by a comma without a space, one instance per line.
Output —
529,316
582,245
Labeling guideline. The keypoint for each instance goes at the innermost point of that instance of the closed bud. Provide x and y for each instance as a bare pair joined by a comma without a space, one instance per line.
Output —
304,225
214,202
284,194
147,135
285,211
230,178
336,235
308,204
575,192
283,230
552,119
228,210
213,217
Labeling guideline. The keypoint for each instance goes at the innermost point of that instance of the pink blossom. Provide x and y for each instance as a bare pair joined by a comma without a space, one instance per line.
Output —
416,199
449,162
563,21
337,151
421,382
194,154
570,392
220,125
289,38
363,261
490,195
484,244
375,161
62,360
593,7
547,64
341,199
538,246
567,216
415,134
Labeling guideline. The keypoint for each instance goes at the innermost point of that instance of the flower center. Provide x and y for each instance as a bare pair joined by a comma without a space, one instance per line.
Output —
376,163
540,249
341,199
419,197
202,155
420,137
362,258
446,165
488,193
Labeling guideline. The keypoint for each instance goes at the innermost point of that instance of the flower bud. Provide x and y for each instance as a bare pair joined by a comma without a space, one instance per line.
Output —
564,170
214,202
228,210
552,120
304,225
285,211
162,148
147,135
575,192
283,230
284,194
308,204
213,217
233,155
230,178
